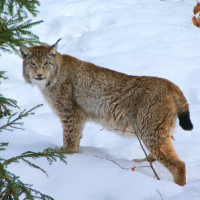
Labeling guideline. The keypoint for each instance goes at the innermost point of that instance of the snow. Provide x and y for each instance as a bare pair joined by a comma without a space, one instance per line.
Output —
136,37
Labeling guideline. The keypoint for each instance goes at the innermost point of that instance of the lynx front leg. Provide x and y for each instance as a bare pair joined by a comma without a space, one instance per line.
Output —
72,130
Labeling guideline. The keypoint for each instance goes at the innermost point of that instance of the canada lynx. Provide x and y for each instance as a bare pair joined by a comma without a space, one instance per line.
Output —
79,91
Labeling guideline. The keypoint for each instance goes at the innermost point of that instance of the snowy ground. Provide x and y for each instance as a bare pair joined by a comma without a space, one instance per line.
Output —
137,37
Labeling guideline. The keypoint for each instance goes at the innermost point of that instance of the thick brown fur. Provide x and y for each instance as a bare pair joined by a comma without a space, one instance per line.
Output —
79,91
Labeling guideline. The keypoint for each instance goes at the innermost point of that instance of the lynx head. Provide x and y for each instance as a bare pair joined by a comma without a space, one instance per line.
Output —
39,65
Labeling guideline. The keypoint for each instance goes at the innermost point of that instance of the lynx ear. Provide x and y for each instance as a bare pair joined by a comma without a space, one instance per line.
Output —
24,52
54,47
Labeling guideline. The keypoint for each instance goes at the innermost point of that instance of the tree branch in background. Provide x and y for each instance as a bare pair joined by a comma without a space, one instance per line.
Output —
14,124
14,25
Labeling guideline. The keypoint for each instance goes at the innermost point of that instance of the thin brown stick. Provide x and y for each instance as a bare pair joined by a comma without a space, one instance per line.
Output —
113,162
119,164
142,149
147,157
159,194
186,20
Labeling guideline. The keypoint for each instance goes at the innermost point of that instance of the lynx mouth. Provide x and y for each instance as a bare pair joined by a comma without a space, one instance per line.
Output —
39,79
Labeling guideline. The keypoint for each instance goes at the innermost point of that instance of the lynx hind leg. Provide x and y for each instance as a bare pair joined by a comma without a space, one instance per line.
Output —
169,158
160,144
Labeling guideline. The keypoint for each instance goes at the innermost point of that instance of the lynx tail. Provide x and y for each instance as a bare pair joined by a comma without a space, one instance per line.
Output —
184,121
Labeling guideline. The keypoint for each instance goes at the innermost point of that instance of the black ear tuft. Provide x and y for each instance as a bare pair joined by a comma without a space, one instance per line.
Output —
59,40
24,52
54,48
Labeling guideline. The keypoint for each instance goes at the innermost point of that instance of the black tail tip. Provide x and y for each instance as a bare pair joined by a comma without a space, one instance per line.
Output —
185,122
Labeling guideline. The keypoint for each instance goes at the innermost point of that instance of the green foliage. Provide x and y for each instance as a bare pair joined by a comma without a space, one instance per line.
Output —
10,185
10,6
2,145
14,123
5,103
14,25
2,76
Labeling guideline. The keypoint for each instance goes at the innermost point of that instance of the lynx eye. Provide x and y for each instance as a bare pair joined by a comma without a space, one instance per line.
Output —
32,64
46,64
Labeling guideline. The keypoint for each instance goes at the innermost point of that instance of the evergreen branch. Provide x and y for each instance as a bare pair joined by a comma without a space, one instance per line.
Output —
17,17
11,188
13,28
22,114
26,25
38,195
12,35
4,103
50,154
2,145
2,75
5,50
12,5
2,5
6,177
33,165
10,185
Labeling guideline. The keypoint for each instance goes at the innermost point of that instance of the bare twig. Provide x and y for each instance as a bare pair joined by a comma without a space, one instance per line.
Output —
186,20
142,149
119,164
114,162
150,162
159,194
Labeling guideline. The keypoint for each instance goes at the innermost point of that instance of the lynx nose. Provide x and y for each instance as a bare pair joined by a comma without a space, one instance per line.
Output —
39,75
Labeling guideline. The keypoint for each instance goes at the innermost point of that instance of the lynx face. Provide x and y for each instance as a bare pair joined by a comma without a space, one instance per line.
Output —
39,66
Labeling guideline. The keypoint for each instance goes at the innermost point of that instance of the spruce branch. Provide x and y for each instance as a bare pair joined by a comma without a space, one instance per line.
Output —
14,24
12,188
50,154
3,145
10,185
14,124
10,6
16,34
2,76
4,104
